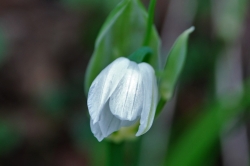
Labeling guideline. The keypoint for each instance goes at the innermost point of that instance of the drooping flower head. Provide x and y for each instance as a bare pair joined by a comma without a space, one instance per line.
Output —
123,94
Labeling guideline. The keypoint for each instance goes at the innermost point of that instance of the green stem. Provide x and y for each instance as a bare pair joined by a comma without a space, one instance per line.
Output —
137,146
151,13
160,106
115,154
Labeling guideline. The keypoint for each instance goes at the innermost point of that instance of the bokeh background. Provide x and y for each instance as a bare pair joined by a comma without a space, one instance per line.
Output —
45,46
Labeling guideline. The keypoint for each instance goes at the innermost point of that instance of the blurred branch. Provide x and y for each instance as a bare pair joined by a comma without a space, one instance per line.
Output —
3,45
228,19
229,78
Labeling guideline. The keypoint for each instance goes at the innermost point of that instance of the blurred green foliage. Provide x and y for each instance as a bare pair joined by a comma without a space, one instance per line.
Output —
9,138
192,147
83,140
54,101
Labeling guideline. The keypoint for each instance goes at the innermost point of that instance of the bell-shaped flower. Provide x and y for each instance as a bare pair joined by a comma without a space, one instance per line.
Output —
123,94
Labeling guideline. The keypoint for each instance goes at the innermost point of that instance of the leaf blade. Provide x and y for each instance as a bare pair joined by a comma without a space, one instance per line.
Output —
174,65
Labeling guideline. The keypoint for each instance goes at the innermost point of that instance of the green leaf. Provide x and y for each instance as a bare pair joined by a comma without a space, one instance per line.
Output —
175,62
121,35
141,55
192,146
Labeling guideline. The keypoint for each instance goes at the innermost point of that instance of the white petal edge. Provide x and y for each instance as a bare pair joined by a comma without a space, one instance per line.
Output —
126,101
104,85
150,98
108,124
96,130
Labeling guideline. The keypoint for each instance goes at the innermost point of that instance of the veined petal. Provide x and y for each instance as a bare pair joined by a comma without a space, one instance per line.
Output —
126,101
150,98
108,124
96,130
104,85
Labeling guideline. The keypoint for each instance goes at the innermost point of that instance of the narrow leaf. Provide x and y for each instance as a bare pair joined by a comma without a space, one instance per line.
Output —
175,62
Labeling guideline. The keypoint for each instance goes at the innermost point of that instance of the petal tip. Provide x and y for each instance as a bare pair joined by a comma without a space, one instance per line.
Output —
99,139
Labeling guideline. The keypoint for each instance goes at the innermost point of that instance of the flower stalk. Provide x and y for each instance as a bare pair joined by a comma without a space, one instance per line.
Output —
115,154
150,22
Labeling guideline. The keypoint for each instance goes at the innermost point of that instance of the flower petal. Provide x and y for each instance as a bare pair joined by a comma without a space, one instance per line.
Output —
104,85
108,124
150,98
126,101
96,130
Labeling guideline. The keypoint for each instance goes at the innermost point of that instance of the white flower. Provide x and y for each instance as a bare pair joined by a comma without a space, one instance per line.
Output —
121,95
